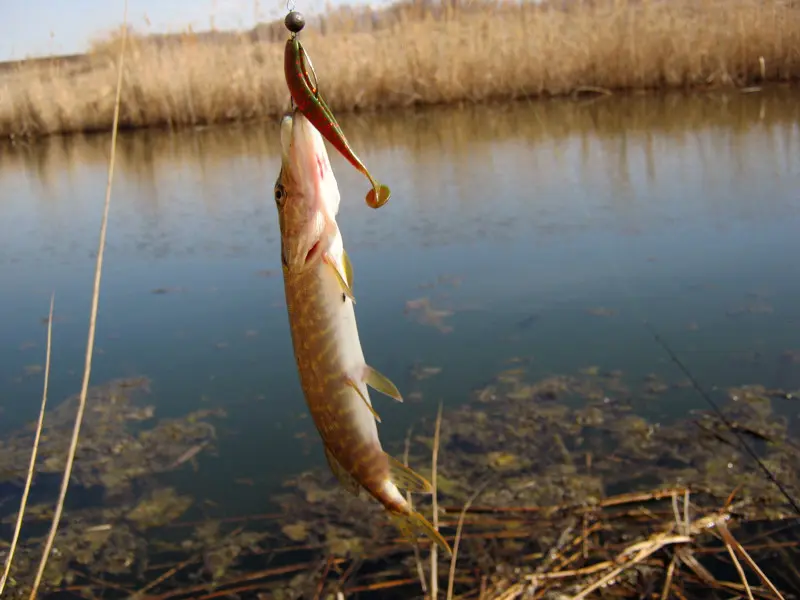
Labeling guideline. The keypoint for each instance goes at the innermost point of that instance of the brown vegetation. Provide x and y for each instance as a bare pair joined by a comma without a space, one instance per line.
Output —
414,54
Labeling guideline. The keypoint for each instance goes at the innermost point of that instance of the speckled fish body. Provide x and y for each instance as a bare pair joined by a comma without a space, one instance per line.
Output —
334,375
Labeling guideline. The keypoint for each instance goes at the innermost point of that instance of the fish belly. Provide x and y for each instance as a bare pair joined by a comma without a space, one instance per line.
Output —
328,353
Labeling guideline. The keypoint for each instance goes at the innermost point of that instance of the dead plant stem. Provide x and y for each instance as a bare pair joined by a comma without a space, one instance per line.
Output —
32,466
434,548
452,576
92,324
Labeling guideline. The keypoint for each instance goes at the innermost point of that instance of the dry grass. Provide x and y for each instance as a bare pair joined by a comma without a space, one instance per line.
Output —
413,55
70,458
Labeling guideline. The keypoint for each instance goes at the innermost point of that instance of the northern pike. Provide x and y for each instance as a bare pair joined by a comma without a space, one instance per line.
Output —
318,282
302,83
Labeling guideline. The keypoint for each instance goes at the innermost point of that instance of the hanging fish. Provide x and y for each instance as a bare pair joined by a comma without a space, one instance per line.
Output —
335,378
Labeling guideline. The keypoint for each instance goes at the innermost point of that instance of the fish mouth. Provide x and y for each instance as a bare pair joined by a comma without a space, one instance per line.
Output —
314,252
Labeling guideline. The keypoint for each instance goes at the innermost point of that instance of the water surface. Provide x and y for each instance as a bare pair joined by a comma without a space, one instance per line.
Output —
549,230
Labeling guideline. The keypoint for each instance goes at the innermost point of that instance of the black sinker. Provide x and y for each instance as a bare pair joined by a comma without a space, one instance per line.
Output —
294,21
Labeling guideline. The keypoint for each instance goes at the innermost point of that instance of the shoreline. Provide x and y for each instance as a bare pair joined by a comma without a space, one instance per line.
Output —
466,128
484,54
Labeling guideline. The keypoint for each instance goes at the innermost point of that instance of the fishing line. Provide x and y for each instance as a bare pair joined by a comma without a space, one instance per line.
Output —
698,387
627,290
710,401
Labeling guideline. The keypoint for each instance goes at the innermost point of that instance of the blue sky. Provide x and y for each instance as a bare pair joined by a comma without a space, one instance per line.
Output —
41,27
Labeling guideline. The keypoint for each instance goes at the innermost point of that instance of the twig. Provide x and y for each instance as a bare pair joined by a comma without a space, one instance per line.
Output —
608,502
434,547
668,578
232,591
92,323
452,577
267,573
583,541
349,571
32,466
167,575
417,558
323,578
568,574
107,584
686,554
645,549
729,539
515,591
555,552
739,570
752,547
381,585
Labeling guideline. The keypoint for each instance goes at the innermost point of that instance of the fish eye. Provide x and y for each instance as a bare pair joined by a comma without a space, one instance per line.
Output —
280,195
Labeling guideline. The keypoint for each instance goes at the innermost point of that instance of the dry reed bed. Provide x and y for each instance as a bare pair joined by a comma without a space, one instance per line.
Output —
497,52
617,124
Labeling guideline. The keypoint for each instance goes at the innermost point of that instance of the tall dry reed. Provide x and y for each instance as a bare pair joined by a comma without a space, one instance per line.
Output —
471,53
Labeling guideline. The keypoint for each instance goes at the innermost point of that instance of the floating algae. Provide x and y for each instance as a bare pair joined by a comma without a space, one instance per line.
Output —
117,454
572,477
158,508
558,470
423,312
421,372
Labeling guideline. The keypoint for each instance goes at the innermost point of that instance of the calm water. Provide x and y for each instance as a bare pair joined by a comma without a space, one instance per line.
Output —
550,230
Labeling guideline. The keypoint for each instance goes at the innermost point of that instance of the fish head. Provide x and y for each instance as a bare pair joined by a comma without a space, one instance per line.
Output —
306,194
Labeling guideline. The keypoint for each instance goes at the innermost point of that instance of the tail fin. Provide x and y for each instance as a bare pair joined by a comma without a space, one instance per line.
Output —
414,522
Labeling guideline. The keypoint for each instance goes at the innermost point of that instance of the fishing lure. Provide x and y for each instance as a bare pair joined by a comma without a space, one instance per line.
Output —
301,79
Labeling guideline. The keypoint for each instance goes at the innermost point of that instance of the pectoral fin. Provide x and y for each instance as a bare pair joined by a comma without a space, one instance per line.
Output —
348,481
407,479
356,387
381,383
348,269
346,289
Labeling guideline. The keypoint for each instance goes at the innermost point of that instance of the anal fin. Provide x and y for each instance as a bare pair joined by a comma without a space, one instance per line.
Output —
346,289
413,523
346,479
357,388
407,479
381,383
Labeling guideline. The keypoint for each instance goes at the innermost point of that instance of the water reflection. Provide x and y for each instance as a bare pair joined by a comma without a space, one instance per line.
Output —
551,230
620,147
606,135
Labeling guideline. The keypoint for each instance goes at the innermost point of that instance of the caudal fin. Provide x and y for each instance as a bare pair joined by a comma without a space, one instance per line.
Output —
413,523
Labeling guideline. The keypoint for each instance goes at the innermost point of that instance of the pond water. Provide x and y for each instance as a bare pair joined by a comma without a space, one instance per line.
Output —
550,230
